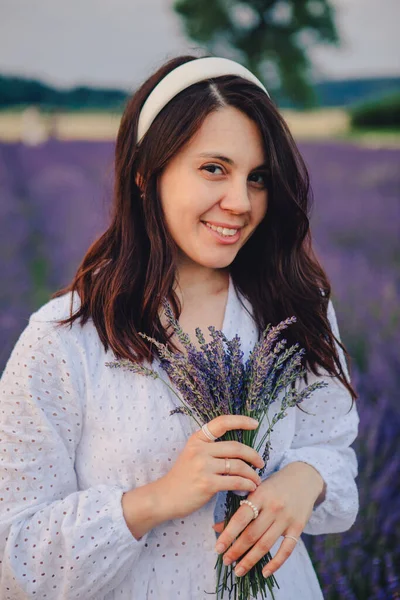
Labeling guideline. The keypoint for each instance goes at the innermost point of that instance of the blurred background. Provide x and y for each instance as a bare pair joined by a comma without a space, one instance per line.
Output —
332,67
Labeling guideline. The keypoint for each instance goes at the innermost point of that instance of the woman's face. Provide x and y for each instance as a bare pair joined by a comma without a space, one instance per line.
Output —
213,192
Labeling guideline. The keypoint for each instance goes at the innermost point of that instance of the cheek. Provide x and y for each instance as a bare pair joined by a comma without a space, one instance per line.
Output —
181,196
171,201
260,211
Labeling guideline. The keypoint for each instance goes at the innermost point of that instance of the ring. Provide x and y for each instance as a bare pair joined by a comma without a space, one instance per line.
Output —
252,506
227,466
291,537
208,433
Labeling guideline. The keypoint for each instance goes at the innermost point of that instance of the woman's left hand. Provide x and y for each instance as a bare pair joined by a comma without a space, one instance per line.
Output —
285,502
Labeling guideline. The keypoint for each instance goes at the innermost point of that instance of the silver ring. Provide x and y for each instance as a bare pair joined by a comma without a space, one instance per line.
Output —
227,466
291,537
252,506
208,433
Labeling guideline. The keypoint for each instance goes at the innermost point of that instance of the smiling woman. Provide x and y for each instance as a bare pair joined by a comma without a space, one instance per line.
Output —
104,493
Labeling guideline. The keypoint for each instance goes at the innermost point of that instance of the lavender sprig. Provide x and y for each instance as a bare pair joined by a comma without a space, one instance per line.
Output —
261,361
236,373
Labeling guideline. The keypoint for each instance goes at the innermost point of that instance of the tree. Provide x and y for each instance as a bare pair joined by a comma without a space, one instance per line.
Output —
271,37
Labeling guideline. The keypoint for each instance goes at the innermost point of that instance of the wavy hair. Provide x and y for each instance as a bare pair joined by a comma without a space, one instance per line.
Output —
131,267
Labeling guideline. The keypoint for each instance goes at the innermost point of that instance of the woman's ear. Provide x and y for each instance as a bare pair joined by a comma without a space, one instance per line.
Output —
139,181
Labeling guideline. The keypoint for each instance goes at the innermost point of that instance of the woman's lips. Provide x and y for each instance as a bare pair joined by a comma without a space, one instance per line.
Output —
224,239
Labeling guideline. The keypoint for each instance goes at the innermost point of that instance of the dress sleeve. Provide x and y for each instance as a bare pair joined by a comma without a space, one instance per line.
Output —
56,541
322,439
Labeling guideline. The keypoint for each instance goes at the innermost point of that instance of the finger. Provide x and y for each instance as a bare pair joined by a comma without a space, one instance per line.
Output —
257,551
220,425
285,550
237,450
237,467
232,482
219,527
240,522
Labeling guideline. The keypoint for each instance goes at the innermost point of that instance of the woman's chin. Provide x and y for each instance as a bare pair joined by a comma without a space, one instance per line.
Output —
210,258
216,262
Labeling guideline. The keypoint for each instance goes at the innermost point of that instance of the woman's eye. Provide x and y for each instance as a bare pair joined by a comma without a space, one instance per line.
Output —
213,169
259,179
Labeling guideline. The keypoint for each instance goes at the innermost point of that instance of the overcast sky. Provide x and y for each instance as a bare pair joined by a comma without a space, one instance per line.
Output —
119,42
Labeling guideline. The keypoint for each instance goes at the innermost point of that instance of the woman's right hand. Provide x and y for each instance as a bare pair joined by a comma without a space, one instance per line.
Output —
199,471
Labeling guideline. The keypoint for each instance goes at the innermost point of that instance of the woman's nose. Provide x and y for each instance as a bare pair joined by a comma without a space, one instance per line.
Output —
236,198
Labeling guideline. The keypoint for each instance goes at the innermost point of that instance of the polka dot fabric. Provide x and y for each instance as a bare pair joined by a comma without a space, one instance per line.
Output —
322,439
74,435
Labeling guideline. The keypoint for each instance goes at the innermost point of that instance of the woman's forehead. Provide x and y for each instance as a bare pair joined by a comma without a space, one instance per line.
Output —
230,133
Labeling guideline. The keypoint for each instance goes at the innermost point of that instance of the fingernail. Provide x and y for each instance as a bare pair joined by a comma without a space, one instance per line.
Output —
219,548
239,571
227,561
254,420
267,573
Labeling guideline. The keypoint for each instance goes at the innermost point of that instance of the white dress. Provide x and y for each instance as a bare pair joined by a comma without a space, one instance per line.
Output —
74,435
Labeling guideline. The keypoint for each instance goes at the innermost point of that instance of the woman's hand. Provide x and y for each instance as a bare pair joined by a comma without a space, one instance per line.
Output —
285,502
197,474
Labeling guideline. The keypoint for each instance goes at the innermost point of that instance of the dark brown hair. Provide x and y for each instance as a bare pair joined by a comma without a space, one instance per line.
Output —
131,267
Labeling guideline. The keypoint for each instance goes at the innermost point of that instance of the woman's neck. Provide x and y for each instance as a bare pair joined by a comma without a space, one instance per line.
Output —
195,281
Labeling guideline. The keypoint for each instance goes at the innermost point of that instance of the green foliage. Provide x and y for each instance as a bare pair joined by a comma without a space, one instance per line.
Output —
271,37
17,91
382,113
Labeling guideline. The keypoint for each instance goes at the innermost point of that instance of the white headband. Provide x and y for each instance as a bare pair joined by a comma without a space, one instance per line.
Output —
183,77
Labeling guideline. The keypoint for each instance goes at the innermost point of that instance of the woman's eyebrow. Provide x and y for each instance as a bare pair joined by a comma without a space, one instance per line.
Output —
228,160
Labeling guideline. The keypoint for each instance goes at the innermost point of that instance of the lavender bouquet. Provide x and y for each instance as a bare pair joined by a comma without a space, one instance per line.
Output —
214,381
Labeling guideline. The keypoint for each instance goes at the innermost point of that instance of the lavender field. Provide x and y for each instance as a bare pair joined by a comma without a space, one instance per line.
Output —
55,200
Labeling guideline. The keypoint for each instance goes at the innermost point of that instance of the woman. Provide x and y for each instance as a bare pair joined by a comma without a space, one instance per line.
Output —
104,494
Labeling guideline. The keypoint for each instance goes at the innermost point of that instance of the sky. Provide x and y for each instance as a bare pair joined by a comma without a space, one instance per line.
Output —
118,43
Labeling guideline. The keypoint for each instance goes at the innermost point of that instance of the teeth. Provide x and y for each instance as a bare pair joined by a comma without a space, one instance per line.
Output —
222,230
